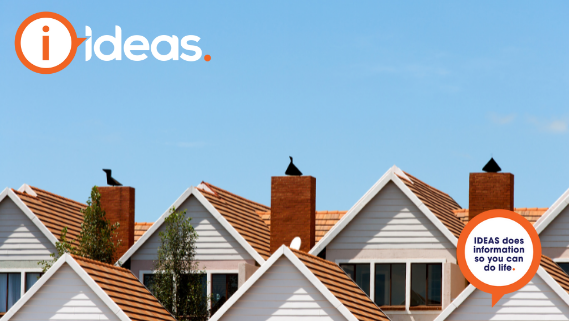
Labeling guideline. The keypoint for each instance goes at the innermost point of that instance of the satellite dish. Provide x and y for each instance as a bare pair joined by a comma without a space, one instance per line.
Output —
295,244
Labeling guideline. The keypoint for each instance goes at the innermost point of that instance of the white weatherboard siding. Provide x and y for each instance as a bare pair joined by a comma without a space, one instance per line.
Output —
65,296
283,293
390,221
556,234
535,301
214,242
20,238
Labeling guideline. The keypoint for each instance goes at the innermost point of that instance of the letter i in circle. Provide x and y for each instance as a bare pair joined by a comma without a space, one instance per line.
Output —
45,44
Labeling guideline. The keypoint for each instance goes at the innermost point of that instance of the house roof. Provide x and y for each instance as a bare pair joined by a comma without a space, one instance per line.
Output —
54,211
325,220
140,228
440,203
241,213
531,214
125,290
328,278
343,288
555,272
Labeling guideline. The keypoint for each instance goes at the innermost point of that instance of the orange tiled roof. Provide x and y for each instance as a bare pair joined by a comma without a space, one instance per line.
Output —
54,211
556,272
140,228
438,202
343,288
532,214
241,213
325,220
125,290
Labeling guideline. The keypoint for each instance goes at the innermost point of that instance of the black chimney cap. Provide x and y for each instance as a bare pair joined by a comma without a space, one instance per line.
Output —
292,170
491,166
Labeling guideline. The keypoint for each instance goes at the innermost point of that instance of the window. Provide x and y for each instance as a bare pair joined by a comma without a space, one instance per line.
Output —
564,266
10,288
359,273
148,281
390,284
223,286
31,279
426,284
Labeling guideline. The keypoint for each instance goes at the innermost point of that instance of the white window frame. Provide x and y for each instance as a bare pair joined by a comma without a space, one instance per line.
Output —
22,272
141,274
408,263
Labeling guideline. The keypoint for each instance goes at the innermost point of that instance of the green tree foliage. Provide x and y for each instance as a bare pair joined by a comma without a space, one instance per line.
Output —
178,282
97,239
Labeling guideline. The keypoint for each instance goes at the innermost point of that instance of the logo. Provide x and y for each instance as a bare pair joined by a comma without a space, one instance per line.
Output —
46,42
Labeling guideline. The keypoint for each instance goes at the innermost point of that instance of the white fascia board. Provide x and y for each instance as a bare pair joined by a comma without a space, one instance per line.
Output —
35,288
228,226
456,302
24,208
358,206
547,217
319,285
553,284
95,287
25,188
390,175
154,227
248,284
423,208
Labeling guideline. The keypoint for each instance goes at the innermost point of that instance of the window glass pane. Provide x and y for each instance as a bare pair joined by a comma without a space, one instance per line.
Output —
204,287
3,291
218,290
148,281
349,269
14,288
564,266
363,277
418,284
398,284
232,283
382,284
31,279
434,284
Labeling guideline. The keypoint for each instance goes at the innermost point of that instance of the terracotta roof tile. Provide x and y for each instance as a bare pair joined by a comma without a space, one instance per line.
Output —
531,214
438,202
556,272
343,288
241,213
140,228
125,290
54,211
325,220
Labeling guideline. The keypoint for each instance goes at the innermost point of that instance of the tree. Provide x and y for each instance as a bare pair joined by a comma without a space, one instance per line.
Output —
97,239
178,282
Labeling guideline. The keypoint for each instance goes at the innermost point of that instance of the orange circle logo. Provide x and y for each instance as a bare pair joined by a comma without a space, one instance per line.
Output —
46,42
499,252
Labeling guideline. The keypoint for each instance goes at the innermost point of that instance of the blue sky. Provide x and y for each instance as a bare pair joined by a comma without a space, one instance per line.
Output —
348,89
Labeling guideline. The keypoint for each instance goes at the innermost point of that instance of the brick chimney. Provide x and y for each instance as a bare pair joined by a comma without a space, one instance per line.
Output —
293,211
118,204
489,191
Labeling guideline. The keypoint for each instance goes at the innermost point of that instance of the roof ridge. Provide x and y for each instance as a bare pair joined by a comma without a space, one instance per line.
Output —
110,266
58,196
241,197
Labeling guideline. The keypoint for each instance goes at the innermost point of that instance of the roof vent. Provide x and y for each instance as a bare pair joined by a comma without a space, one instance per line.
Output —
292,170
295,244
491,166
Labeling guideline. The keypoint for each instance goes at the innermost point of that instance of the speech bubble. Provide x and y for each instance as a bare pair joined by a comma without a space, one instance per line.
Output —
46,42
509,275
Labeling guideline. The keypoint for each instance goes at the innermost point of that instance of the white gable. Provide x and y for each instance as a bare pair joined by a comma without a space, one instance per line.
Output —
556,234
390,221
65,296
535,301
214,242
282,293
20,238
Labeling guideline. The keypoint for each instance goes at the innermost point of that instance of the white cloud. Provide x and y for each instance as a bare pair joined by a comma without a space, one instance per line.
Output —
553,126
502,119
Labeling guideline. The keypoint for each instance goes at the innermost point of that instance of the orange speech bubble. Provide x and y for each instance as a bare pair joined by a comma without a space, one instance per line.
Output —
41,47
498,291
